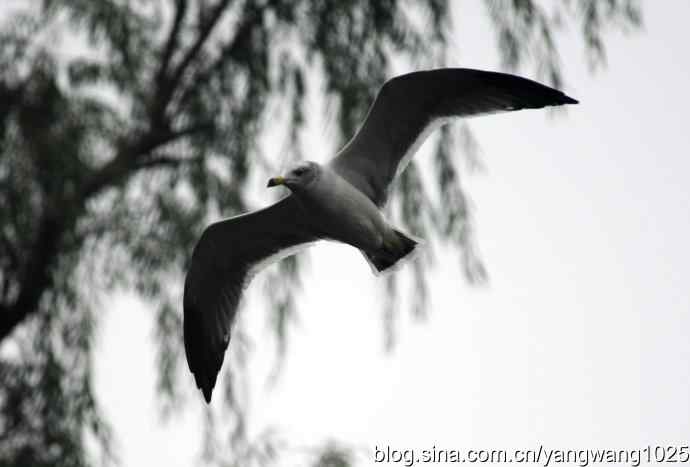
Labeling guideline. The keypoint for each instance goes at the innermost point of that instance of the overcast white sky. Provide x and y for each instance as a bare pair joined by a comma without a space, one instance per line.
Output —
580,338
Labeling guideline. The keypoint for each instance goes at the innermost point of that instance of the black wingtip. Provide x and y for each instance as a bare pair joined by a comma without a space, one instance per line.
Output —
569,100
207,394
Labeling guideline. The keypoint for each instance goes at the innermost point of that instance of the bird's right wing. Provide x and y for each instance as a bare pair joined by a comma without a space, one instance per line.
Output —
224,259
408,106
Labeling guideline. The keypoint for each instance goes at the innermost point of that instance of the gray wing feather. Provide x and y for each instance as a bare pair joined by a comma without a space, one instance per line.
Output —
222,263
410,105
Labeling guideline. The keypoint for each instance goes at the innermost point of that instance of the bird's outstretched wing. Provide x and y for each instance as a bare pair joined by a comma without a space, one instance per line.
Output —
409,107
224,259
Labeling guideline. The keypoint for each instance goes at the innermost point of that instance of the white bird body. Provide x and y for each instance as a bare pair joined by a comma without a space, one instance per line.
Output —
342,212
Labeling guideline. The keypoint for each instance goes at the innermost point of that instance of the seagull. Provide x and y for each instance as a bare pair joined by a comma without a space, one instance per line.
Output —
340,200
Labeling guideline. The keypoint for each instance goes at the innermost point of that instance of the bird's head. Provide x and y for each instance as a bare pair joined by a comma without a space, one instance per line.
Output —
298,177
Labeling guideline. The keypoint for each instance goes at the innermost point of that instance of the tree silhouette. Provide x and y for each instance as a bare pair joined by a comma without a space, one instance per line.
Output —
127,125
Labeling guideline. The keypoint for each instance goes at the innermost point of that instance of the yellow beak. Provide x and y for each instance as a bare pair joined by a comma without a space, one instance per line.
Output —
275,181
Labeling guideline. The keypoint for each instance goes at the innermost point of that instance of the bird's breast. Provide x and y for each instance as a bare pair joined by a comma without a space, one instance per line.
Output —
343,213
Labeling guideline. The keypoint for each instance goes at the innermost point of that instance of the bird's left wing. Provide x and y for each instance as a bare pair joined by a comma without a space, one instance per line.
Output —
409,106
224,259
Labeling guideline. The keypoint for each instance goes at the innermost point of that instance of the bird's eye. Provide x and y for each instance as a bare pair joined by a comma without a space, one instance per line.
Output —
300,171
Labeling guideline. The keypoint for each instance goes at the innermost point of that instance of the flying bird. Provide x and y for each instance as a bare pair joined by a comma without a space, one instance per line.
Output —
340,201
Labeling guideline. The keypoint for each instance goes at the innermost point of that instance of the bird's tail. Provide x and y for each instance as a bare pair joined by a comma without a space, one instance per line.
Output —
398,247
